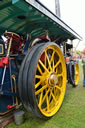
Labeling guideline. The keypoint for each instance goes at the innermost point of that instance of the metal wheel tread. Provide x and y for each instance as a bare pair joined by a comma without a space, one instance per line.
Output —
25,71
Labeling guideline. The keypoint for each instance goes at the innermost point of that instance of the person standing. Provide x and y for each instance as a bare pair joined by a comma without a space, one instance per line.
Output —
83,61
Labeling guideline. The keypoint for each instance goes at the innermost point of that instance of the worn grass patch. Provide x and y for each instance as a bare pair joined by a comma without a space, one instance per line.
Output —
71,114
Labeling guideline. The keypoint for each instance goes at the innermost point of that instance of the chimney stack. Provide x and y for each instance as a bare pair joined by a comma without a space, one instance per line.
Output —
57,8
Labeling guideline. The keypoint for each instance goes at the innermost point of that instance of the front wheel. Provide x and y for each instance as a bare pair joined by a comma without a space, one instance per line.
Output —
74,74
46,80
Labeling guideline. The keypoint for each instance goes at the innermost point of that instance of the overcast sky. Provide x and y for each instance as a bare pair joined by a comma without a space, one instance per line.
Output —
72,13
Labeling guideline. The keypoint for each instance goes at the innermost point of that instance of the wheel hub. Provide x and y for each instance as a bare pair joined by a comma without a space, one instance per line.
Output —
53,79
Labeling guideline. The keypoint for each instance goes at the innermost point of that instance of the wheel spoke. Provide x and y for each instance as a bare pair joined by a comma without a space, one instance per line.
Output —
53,96
41,89
53,66
56,70
38,76
52,60
57,64
39,69
59,75
47,102
59,88
52,57
37,85
54,91
48,60
50,96
43,66
40,100
45,96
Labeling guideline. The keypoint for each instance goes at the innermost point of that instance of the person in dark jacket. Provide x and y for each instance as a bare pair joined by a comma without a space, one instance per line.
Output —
83,61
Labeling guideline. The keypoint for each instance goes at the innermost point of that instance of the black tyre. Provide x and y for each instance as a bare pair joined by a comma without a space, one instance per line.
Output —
22,79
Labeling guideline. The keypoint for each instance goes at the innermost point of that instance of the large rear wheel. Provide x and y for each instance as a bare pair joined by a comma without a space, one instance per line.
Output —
45,80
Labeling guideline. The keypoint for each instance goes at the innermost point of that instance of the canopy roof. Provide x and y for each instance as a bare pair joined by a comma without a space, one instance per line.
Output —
31,17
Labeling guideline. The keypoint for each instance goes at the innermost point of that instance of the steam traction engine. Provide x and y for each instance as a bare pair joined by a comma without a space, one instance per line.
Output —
33,68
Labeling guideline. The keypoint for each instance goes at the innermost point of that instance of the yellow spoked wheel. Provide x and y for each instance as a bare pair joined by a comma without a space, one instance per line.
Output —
46,80
50,80
76,74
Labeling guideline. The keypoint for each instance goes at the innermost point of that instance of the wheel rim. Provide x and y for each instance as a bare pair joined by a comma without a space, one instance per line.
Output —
50,80
76,74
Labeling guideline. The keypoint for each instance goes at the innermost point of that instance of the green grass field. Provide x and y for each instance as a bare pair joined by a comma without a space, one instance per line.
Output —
71,114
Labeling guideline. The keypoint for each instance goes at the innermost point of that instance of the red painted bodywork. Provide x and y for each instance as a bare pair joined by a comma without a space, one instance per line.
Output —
4,62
